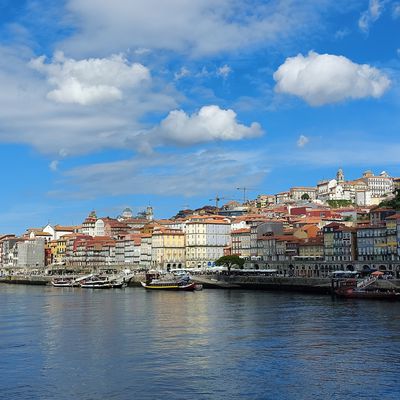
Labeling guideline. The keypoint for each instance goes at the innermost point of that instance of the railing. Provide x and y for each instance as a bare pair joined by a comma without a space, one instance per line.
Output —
366,282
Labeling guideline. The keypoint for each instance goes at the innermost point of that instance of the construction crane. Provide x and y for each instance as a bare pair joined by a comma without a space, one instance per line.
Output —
217,200
244,192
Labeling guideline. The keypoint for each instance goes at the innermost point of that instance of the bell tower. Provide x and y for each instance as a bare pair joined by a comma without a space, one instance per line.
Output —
340,176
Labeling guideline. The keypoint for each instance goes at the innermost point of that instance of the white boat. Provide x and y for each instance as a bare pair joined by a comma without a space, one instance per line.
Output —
96,282
64,282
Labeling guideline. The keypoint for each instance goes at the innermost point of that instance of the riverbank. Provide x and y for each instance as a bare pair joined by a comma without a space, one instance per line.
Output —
220,281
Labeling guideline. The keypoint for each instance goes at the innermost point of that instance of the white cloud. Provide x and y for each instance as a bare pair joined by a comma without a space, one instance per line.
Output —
371,15
90,81
302,141
209,124
68,129
323,78
195,27
396,10
224,71
203,172
54,165
64,129
182,73
342,33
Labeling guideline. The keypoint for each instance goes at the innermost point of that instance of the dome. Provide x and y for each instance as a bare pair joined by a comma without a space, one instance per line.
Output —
127,213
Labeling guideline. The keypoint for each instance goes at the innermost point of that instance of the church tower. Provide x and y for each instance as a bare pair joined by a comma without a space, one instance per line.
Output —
340,176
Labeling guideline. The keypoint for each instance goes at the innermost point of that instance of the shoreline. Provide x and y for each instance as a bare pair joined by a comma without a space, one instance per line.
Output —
285,284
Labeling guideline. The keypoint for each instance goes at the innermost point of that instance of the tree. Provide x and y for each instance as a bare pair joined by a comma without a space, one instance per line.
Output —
230,261
305,196
394,202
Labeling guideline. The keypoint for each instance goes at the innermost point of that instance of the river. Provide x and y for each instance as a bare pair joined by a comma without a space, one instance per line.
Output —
71,343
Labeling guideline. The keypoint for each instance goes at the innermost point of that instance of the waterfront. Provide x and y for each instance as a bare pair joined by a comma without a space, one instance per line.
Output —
122,344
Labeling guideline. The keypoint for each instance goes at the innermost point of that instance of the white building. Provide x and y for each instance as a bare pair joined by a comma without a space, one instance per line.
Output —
57,231
380,185
206,238
303,193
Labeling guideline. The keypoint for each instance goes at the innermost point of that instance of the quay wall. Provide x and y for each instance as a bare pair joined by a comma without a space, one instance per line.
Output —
26,279
323,269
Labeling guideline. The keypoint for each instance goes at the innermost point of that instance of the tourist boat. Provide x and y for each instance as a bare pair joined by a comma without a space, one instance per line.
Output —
355,293
184,284
64,282
96,282
365,289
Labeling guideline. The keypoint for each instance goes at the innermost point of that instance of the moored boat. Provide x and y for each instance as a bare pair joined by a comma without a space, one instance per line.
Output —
354,293
165,285
184,283
96,282
64,282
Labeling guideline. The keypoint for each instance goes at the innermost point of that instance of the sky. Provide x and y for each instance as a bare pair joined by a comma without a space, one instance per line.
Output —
129,103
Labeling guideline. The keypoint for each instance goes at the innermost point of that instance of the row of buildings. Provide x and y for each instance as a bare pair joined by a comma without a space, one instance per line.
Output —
287,234
297,229
369,189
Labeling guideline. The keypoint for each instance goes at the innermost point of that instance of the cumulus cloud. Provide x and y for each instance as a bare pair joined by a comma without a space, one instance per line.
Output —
68,129
302,141
371,15
210,123
89,81
323,78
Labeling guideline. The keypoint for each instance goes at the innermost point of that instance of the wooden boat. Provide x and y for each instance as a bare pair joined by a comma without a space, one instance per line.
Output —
169,285
64,282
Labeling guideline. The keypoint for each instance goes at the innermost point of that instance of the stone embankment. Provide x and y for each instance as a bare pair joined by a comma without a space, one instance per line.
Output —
26,279
293,284
221,281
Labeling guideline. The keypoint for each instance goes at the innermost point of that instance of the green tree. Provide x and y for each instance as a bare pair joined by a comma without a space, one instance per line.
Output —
305,196
230,261
393,203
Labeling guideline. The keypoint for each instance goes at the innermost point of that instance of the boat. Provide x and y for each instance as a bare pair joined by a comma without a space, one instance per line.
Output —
355,293
64,282
365,289
183,284
97,282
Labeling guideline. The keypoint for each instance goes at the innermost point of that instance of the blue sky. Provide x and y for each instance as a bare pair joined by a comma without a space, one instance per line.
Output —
106,105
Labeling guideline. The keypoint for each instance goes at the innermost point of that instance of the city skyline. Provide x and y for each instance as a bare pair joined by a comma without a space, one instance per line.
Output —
106,106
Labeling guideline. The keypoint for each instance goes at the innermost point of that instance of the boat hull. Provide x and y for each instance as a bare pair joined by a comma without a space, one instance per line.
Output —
96,286
368,294
62,283
169,286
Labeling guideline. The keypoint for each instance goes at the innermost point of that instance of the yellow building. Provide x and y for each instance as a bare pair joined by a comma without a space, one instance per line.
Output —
168,248
60,250
312,249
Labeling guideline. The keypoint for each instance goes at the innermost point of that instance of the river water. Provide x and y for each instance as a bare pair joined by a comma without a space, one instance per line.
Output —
71,343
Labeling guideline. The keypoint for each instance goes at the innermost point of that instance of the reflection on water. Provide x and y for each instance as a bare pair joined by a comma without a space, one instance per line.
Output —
63,343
